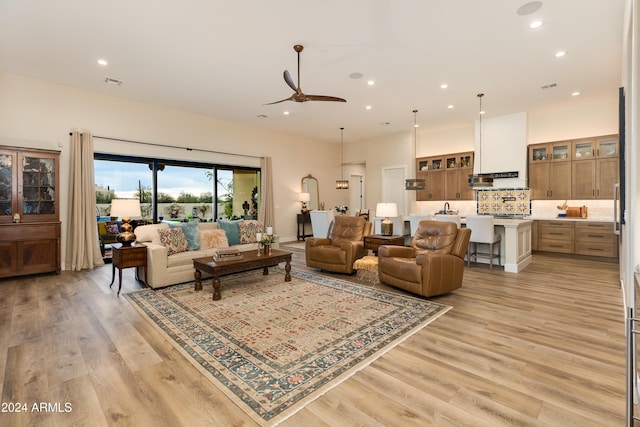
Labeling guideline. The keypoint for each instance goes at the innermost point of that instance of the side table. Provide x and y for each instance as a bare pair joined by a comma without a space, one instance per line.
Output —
303,219
125,257
374,241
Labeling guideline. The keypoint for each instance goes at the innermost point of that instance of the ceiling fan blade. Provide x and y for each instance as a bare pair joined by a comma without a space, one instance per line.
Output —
287,78
324,98
282,100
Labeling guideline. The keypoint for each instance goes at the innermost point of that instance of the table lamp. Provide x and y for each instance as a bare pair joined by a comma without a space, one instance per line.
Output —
125,208
386,210
304,198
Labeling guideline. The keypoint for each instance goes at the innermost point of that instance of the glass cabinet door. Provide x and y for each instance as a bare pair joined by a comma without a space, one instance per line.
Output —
38,186
7,185
466,161
436,164
607,147
538,153
584,149
561,151
451,162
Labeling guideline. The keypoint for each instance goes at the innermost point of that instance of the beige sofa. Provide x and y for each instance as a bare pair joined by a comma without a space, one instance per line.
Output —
165,270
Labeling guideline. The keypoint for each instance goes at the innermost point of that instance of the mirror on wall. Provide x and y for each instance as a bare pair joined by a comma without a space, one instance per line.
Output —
309,184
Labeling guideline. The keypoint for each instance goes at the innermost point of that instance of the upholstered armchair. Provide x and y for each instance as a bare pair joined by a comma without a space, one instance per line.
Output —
434,263
343,245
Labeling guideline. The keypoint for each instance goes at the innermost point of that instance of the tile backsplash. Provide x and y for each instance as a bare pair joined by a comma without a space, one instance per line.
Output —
504,202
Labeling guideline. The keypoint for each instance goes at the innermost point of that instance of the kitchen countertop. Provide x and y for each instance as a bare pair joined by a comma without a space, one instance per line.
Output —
566,218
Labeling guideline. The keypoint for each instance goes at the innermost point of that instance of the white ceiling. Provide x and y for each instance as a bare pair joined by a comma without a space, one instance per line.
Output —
226,58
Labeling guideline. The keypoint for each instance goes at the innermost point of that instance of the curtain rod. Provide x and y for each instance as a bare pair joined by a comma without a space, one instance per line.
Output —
169,146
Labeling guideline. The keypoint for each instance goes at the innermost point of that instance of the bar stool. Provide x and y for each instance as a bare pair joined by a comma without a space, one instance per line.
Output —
482,231
449,218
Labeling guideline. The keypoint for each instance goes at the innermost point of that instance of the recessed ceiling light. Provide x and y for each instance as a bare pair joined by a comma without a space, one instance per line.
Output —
529,8
444,86
102,62
560,53
368,107
371,82
535,24
356,76
576,93
286,113
450,107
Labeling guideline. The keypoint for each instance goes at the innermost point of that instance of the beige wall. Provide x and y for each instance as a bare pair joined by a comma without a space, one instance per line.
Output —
38,114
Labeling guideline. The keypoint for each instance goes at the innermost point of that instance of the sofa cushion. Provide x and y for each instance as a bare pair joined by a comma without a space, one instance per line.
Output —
149,233
174,240
190,230
213,239
248,230
232,230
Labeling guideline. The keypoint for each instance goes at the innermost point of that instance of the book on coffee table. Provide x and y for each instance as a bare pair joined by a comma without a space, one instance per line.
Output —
227,254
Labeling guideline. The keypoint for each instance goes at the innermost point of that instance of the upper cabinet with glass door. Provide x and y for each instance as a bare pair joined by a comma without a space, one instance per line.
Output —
29,185
550,152
607,146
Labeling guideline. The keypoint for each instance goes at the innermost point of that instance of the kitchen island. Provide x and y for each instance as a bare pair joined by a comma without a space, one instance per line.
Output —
515,242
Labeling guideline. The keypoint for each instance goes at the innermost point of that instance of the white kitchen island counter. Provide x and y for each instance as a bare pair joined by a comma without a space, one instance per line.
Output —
515,242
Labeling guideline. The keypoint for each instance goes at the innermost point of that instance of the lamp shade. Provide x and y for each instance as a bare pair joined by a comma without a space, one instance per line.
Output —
387,210
304,197
125,208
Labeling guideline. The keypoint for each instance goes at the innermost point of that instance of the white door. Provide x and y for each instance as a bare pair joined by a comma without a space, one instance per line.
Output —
356,193
393,191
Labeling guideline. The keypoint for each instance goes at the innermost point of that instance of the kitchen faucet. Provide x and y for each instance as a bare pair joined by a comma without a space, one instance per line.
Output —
446,207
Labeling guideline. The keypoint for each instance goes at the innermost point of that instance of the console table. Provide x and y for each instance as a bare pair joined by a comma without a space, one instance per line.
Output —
303,219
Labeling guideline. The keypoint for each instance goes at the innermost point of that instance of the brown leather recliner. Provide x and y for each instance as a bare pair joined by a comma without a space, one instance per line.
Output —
343,245
434,263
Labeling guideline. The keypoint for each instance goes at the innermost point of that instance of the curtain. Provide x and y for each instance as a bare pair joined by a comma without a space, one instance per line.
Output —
266,209
83,249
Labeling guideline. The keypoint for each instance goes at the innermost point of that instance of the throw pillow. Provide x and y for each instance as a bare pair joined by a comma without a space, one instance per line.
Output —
248,230
231,229
213,239
190,230
174,240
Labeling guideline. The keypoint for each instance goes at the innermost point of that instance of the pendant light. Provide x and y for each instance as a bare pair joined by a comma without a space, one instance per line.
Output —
342,184
417,183
480,180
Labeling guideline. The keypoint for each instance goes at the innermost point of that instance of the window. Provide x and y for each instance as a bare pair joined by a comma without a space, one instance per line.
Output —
177,190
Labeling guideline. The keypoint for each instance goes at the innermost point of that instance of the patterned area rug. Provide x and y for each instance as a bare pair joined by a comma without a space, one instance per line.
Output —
274,346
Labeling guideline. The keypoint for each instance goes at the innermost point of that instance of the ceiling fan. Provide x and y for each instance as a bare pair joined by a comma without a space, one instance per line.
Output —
298,96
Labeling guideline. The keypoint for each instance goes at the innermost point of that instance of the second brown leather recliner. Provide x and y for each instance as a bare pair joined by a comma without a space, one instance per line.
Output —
343,245
434,263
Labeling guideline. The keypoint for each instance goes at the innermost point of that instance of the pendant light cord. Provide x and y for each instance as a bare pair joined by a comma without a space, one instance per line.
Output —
480,95
342,153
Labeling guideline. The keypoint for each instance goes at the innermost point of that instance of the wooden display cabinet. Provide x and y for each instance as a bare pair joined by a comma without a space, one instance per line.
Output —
29,211
550,170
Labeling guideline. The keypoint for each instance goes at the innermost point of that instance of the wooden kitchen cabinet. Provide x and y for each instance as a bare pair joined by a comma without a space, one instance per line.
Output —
556,236
596,239
595,167
447,177
579,169
575,237
29,211
550,170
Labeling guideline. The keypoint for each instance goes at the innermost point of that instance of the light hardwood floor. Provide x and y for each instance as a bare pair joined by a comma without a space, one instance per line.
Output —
543,347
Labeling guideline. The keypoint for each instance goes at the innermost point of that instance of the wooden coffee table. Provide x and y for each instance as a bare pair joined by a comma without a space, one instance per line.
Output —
250,261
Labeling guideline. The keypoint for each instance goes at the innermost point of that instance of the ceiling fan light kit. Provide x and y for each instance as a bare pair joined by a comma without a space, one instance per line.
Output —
298,95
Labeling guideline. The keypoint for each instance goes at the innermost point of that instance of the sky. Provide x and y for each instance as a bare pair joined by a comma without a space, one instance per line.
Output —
172,180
